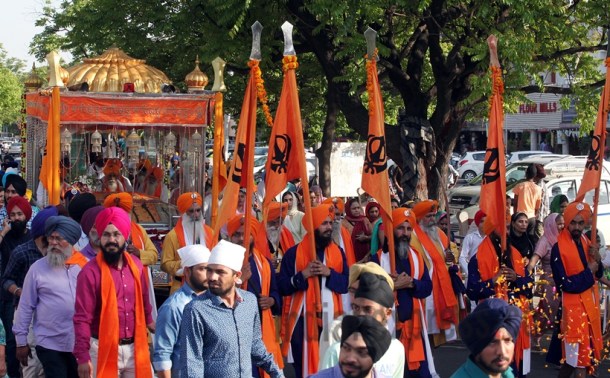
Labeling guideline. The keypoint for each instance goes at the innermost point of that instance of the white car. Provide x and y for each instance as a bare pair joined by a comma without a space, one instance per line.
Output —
471,164
516,156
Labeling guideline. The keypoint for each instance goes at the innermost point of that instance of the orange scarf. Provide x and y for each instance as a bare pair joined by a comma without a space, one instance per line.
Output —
180,234
286,239
267,322
77,258
348,246
108,354
445,302
489,265
580,322
292,305
411,333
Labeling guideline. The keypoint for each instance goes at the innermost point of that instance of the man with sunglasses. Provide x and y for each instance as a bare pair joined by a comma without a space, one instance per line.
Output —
190,229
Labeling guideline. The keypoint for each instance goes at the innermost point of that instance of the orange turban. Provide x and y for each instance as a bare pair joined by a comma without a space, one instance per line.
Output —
186,200
424,207
336,202
402,214
123,200
239,220
488,226
320,213
113,166
157,172
276,210
146,165
575,208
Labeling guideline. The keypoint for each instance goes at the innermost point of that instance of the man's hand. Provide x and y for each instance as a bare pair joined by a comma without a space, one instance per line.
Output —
308,271
152,327
6,226
449,257
510,274
593,266
84,370
403,281
362,237
594,252
246,272
23,352
133,250
320,269
266,302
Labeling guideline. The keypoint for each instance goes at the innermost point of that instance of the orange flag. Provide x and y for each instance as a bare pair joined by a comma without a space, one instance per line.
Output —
49,171
242,165
493,188
219,167
375,180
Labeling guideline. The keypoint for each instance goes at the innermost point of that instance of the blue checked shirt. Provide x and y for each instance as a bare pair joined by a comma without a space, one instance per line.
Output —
218,341
166,354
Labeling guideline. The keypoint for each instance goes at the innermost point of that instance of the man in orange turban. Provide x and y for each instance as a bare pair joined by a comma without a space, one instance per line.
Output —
154,186
275,238
576,268
261,281
113,180
296,283
190,229
341,236
433,245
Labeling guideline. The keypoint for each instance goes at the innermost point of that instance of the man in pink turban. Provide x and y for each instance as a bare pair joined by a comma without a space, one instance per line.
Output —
97,323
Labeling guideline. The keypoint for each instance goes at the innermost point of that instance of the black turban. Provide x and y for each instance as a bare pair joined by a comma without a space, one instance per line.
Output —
66,227
79,204
18,183
479,328
376,288
376,337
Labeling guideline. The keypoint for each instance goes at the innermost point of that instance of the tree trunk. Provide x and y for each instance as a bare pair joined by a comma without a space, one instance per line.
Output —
328,136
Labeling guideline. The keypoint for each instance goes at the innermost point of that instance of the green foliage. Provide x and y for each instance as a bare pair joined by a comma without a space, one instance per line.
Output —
11,89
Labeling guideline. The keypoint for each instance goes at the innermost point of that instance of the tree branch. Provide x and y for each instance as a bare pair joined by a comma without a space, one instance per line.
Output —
559,90
569,51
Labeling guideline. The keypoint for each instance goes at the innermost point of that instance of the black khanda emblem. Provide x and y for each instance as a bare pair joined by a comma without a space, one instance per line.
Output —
239,163
281,153
375,160
594,157
491,168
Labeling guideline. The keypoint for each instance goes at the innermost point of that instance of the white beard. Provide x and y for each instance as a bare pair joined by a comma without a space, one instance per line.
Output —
273,235
57,260
432,232
193,230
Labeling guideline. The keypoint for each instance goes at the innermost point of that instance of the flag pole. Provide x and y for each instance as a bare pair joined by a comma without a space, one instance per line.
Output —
217,157
603,118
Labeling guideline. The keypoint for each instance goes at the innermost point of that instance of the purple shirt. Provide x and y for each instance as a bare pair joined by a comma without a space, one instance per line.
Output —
89,304
89,252
48,297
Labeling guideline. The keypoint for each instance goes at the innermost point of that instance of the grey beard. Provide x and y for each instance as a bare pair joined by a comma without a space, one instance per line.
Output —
273,235
402,249
432,232
336,235
57,260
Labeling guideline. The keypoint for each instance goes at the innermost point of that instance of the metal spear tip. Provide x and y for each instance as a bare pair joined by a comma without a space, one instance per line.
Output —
371,43
288,45
257,30
219,84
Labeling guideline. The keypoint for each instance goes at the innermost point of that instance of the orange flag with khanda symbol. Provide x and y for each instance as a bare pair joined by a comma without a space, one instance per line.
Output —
591,178
219,168
493,188
49,171
375,180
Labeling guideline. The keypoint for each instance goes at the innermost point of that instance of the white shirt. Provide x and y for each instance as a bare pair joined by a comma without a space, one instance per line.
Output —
470,246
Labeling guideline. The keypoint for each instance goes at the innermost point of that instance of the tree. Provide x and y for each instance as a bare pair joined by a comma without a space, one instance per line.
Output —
11,89
433,58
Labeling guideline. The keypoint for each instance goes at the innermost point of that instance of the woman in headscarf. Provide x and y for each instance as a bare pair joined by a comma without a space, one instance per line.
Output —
316,196
373,213
519,238
294,217
559,203
359,227
544,316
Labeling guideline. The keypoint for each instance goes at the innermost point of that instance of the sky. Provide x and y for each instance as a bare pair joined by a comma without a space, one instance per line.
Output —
17,28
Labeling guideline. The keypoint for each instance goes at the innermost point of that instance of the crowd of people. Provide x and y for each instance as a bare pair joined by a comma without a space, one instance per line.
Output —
77,297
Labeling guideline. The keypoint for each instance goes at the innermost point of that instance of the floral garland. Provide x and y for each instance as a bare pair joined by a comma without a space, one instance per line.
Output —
371,69
498,83
289,63
260,90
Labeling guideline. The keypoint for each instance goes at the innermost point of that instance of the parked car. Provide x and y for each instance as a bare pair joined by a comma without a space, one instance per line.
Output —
14,149
516,156
471,164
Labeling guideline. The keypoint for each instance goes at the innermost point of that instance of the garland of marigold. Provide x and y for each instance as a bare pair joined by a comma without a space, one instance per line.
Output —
289,62
497,83
260,90
371,69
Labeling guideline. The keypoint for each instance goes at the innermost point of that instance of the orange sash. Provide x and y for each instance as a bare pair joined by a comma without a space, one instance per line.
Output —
305,300
180,235
489,265
580,322
267,322
108,354
445,302
286,239
77,258
348,246
411,334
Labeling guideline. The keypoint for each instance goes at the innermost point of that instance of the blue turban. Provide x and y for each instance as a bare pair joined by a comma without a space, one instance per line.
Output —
479,328
39,220
66,227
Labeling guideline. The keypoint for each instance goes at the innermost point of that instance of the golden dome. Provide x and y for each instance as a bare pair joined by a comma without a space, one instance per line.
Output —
64,75
33,81
196,80
109,71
